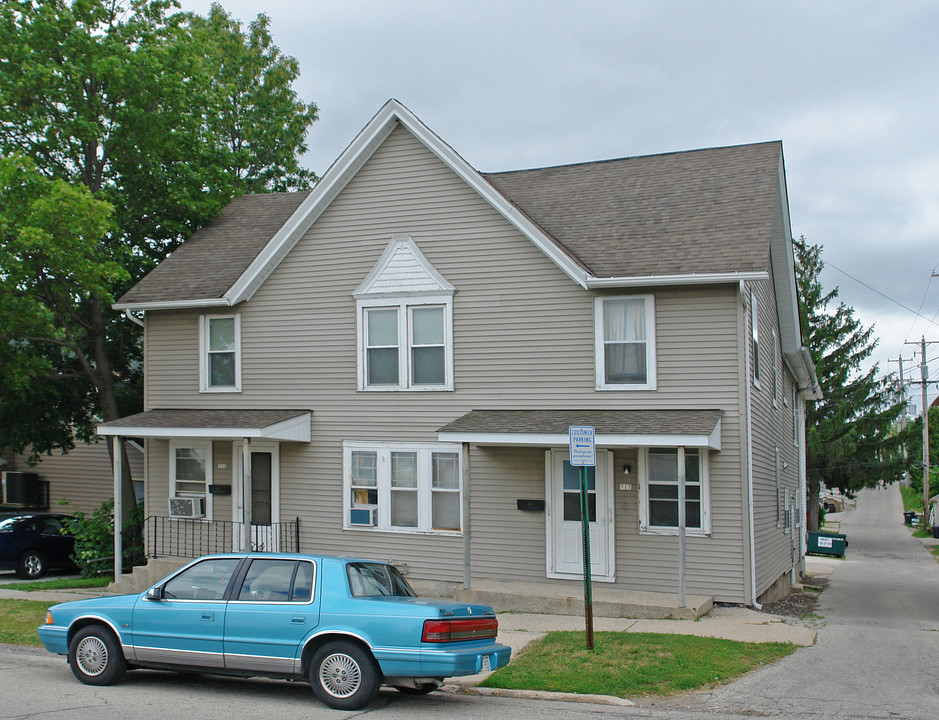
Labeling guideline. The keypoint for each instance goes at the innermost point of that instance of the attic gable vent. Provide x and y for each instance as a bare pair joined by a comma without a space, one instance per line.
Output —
403,270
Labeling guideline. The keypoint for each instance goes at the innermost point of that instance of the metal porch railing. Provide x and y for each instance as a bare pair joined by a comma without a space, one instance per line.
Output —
191,538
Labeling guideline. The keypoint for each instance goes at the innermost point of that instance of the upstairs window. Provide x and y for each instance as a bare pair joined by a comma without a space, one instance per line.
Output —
405,323
755,338
625,342
220,361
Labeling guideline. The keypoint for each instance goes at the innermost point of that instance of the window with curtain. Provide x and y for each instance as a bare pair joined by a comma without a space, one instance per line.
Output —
625,343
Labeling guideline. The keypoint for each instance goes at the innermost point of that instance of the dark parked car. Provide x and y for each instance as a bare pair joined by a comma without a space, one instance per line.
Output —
31,543
345,625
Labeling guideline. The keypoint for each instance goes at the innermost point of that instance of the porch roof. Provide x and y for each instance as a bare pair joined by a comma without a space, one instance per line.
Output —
614,428
287,425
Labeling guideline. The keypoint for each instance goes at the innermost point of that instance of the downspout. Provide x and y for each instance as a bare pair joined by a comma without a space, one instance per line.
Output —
467,537
747,324
133,318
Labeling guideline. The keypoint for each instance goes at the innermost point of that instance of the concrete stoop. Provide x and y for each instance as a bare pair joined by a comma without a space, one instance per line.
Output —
542,598
143,576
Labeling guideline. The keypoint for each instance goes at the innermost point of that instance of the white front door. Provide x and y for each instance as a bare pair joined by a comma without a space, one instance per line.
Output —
565,535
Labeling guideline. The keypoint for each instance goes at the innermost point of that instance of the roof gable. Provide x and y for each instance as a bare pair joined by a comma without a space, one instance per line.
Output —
403,269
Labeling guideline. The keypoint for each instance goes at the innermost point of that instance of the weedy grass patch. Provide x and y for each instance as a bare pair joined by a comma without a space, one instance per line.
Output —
19,620
632,664
59,584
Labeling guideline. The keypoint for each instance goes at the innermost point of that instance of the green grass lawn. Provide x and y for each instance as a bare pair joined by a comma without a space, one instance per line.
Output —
19,620
632,664
58,584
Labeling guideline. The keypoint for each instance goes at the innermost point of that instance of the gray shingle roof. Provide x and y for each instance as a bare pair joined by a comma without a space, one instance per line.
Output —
208,264
613,422
701,211
204,419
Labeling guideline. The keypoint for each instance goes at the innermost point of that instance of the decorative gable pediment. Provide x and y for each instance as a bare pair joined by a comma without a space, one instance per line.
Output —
402,269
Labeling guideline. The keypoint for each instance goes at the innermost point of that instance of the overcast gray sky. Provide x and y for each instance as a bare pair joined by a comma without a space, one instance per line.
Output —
850,87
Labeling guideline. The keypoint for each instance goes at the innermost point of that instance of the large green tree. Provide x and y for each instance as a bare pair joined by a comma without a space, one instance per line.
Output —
162,116
851,434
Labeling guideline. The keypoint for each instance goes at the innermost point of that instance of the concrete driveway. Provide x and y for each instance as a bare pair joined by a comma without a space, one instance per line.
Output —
877,651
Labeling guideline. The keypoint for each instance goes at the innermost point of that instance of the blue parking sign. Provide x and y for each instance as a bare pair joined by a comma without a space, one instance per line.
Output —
583,446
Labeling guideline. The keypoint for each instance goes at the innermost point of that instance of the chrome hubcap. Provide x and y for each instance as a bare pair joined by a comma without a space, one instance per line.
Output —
92,656
340,675
33,565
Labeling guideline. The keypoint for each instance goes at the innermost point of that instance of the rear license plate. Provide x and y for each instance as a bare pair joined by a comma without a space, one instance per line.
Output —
487,664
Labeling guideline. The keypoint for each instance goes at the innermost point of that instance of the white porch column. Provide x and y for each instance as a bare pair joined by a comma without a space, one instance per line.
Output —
681,526
118,460
246,495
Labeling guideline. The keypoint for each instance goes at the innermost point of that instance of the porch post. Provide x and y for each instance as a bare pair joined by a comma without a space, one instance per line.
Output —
466,516
118,510
681,526
246,495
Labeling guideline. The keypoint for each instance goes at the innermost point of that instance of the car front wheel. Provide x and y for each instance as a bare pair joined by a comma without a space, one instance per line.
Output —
344,675
32,565
95,656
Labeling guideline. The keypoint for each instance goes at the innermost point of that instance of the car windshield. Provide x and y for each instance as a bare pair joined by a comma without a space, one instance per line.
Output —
12,523
369,579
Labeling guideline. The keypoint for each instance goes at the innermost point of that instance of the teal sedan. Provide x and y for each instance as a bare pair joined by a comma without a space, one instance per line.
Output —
347,625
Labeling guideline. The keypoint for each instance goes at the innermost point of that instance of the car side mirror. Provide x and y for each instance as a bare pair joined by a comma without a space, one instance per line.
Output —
155,593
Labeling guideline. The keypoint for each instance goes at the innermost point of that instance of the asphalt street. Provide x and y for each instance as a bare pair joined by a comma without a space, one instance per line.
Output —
876,656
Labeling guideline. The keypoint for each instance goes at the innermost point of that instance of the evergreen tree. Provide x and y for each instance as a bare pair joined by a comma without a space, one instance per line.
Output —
851,437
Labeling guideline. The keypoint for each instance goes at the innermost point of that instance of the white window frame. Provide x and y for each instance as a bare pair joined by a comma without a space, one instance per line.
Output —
404,305
645,528
206,447
425,490
600,342
205,322
775,372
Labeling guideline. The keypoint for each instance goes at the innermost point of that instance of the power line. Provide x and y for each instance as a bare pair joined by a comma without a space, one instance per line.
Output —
886,297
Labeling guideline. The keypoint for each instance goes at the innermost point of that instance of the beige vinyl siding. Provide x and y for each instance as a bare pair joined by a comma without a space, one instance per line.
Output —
523,338
83,477
772,428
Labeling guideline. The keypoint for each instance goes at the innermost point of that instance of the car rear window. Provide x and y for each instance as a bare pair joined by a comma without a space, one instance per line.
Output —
376,579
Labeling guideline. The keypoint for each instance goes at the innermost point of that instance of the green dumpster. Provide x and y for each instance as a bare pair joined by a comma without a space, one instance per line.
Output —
825,543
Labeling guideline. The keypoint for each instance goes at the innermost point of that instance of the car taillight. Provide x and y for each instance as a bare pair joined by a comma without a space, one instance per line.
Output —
440,631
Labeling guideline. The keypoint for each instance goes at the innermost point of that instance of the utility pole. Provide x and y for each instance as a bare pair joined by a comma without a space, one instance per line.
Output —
924,381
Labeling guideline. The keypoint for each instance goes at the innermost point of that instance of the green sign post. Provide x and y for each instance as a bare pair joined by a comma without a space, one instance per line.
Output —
583,453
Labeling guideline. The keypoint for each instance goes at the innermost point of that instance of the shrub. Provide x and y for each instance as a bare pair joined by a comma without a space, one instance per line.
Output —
94,538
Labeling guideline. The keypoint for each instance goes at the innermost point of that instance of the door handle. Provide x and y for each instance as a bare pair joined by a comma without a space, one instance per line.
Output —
208,616
298,620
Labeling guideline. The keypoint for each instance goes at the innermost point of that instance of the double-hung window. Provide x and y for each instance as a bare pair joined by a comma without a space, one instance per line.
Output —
220,353
755,338
406,487
191,471
406,345
658,499
625,342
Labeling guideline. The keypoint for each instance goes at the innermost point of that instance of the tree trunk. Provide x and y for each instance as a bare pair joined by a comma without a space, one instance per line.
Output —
107,403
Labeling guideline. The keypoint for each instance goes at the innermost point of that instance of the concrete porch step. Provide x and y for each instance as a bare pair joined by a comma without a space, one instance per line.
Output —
542,598
143,576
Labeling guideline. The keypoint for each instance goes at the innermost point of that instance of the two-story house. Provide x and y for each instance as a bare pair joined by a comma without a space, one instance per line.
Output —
388,366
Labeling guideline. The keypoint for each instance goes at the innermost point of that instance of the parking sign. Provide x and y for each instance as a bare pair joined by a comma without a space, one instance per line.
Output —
583,445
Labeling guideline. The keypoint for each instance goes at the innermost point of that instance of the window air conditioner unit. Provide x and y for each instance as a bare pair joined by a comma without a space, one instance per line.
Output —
187,507
363,517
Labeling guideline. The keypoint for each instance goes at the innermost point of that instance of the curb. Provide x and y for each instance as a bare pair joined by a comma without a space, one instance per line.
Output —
538,695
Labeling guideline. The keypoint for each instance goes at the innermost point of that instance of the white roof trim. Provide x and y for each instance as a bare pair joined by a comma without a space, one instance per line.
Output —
344,169
608,440
172,305
686,279
295,429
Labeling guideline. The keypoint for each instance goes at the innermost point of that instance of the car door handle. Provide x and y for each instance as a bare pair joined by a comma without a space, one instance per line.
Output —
298,620
208,616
